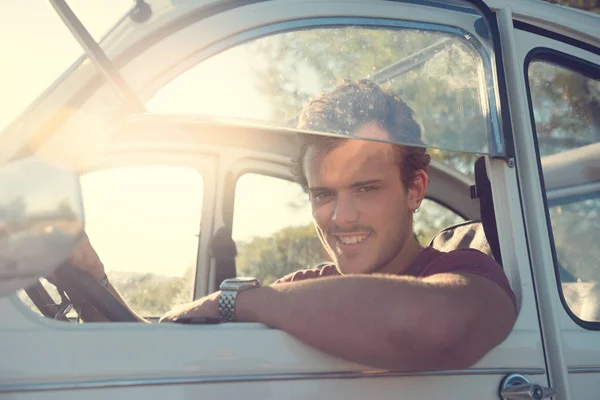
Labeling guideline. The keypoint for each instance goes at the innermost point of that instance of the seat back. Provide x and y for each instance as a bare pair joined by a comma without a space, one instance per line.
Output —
466,235
224,251
480,235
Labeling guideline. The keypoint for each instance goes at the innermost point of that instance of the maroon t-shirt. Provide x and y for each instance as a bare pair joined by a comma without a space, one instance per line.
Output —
430,262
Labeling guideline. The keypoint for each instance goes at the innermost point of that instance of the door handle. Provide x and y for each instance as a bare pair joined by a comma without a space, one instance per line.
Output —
518,387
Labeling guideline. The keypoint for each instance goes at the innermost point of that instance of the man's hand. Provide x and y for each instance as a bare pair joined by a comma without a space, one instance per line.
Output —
86,259
207,307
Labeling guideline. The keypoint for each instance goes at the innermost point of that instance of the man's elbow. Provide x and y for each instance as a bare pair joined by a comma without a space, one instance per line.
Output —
448,346
429,345
466,340
447,343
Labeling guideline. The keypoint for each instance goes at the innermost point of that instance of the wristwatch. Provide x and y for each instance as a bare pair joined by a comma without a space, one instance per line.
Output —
229,290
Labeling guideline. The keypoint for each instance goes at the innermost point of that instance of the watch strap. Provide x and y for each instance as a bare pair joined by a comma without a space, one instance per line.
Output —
227,305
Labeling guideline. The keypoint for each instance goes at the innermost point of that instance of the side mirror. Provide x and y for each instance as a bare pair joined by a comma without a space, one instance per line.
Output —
41,220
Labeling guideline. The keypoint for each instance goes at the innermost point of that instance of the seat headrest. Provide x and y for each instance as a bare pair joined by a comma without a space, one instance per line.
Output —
466,235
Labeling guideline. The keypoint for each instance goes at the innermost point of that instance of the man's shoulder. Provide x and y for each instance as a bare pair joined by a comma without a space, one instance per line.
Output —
467,253
470,261
458,260
321,270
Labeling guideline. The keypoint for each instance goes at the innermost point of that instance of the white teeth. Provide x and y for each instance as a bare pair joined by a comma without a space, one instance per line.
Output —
352,239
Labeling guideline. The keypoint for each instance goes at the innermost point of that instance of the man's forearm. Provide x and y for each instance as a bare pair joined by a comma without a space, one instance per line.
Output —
366,319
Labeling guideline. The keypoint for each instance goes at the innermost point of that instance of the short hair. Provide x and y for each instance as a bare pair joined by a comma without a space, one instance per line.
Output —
349,106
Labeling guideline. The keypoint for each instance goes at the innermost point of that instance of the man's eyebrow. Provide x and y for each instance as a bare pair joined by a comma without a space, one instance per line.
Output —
365,183
353,185
319,189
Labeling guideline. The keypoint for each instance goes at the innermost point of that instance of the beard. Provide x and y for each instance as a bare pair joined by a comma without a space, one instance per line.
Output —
381,253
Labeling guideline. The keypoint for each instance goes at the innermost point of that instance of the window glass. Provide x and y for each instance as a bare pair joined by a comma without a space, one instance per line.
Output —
438,71
273,229
275,235
566,107
431,219
144,223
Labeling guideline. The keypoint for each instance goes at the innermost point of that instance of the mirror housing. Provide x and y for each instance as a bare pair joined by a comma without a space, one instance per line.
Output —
41,220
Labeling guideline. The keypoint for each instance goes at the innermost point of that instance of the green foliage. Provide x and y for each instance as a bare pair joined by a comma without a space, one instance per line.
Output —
566,107
286,251
432,218
443,91
152,295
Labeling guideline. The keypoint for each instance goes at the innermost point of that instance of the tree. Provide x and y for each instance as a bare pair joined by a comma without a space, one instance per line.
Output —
286,251
296,65
152,295
431,219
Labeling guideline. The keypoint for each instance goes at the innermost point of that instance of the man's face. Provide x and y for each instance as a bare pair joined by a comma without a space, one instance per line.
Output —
362,210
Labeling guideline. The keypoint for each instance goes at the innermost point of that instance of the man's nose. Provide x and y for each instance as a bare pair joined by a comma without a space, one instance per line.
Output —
345,211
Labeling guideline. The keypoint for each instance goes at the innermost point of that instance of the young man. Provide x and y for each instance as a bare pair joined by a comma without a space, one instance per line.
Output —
385,301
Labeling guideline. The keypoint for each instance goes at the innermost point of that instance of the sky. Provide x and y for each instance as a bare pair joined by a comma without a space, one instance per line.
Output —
143,220
37,47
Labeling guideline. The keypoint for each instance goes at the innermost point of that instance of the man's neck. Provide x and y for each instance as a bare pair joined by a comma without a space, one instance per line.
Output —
401,263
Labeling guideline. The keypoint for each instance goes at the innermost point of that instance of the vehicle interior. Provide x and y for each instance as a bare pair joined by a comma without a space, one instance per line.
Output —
150,140
168,137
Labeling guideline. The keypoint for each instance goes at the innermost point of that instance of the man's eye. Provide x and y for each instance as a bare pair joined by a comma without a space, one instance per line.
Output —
322,195
366,188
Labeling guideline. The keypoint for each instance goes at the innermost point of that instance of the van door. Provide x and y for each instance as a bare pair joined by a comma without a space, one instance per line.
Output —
559,160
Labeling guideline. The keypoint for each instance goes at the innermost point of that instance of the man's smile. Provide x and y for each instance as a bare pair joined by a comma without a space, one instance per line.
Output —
352,239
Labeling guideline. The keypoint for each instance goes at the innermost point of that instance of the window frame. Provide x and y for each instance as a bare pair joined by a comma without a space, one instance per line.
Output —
204,163
588,70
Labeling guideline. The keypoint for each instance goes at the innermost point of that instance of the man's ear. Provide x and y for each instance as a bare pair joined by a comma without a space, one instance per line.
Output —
416,191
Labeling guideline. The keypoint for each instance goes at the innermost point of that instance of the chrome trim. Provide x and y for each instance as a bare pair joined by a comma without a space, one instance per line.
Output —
112,383
584,370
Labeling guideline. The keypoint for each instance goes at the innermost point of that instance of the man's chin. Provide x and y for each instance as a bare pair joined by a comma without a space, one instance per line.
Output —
354,268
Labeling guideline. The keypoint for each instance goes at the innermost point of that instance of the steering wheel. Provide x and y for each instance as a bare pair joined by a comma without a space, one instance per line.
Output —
82,288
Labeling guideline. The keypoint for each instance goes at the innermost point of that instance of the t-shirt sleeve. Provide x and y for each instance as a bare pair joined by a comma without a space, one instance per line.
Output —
318,272
472,261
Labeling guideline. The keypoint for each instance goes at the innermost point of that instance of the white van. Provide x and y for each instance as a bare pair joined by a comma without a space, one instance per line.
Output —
180,123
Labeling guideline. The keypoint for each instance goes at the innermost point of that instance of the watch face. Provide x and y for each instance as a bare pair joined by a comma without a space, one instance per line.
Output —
239,284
